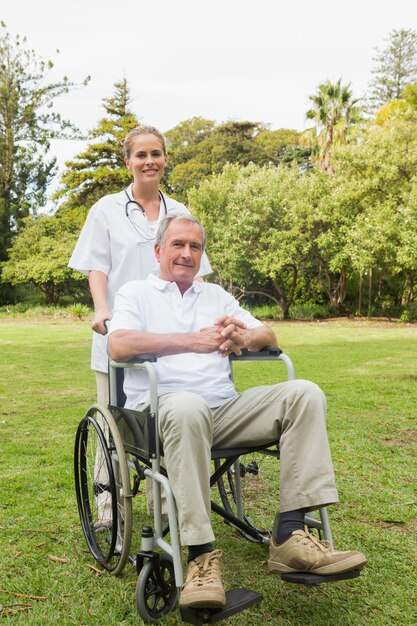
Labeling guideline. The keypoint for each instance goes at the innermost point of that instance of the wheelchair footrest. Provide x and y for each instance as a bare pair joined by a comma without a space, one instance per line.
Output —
236,600
316,579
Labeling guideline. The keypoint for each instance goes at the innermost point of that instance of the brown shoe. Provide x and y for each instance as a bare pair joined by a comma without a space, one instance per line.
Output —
203,586
303,552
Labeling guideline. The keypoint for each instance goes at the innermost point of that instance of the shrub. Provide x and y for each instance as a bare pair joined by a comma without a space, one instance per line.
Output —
410,313
79,311
311,311
264,311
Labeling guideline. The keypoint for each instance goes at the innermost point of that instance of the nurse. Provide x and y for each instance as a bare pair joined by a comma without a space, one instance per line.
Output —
117,241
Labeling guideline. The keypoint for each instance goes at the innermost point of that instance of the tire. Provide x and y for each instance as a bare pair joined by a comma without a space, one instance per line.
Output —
154,600
103,489
258,478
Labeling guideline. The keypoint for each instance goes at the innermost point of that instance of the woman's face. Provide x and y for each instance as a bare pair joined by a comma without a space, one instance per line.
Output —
146,160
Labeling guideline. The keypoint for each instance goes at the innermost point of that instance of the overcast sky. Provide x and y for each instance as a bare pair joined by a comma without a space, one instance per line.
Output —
219,59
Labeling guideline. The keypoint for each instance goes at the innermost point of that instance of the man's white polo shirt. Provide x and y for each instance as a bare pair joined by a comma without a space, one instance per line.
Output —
157,306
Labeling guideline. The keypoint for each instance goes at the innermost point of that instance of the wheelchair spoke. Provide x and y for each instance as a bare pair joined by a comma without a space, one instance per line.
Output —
244,491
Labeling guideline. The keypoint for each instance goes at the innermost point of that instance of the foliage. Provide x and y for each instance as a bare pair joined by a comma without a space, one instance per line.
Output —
27,123
43,247
281,146
100,169
294,236
373,197
40,256
26,311
260,216
199,148
311,311
395,66
410,313
308,222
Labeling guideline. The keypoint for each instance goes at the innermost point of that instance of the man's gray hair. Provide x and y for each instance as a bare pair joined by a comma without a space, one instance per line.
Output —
166,221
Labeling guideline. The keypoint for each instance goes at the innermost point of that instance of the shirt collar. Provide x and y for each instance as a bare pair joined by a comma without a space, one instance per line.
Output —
160,284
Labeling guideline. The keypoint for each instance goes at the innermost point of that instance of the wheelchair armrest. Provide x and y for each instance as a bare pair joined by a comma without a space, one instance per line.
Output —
139,358
143,358
266,354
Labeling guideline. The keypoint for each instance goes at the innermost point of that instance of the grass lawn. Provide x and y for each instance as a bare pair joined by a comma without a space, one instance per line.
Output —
369,374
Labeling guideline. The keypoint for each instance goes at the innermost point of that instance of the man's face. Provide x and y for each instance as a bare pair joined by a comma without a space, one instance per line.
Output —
180,256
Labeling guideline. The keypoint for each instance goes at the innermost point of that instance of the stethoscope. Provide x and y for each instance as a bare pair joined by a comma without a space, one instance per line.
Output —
136,215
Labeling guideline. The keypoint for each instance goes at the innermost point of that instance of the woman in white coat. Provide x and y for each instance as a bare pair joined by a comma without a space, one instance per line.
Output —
117,241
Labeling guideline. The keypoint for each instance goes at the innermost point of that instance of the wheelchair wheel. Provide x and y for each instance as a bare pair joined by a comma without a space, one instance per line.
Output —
156,593
255,476
103,489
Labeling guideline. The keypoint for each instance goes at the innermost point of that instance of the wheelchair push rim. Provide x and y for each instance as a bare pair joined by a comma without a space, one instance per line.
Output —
103,489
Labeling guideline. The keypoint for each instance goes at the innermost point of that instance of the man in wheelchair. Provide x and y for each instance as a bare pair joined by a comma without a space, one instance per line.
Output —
191,327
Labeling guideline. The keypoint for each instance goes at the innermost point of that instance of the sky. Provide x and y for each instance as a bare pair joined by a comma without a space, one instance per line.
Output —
218,59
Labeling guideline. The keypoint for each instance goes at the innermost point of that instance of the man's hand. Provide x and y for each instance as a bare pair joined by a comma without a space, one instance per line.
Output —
208,339
232,332
100,317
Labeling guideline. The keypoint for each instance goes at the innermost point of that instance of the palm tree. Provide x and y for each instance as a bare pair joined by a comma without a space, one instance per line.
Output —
334,110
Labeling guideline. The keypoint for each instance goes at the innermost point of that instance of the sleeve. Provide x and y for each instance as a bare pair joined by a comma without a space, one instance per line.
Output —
92,250
127,309
205,267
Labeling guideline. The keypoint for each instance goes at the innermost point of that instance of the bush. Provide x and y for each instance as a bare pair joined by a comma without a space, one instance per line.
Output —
74,311
410,313
79,311
311,311
264,311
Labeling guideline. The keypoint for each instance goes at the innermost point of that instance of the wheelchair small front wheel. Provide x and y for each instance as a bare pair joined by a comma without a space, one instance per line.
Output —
103,489
156,593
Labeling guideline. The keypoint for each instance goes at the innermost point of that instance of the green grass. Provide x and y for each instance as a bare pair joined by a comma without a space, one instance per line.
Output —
369,374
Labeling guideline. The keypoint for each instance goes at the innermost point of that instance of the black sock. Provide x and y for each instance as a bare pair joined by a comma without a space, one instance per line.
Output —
195,551
287,523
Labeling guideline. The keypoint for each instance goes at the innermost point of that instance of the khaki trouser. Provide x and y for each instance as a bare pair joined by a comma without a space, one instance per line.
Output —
294,412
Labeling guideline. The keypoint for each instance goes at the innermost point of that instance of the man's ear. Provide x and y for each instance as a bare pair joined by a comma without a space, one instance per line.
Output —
157,252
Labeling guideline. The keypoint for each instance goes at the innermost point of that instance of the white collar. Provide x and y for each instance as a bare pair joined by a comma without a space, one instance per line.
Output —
161,284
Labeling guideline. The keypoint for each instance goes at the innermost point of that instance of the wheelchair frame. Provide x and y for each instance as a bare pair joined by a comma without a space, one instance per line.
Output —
126,441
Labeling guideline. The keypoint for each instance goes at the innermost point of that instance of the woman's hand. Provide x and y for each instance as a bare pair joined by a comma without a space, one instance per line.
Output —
101,316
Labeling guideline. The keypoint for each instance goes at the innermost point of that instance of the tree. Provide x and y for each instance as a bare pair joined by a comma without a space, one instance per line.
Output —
334,111
282,146
40,256
189,158
257,222
27,124
100,169
369,215
199,148
395,66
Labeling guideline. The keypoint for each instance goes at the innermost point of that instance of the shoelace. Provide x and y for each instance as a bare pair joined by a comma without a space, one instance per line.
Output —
208,571
311,539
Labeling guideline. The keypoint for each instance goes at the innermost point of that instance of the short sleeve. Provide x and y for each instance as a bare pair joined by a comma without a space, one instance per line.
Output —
127,309
92,250
205,267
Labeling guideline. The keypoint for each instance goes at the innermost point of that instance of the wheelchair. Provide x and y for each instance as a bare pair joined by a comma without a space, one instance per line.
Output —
117,448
